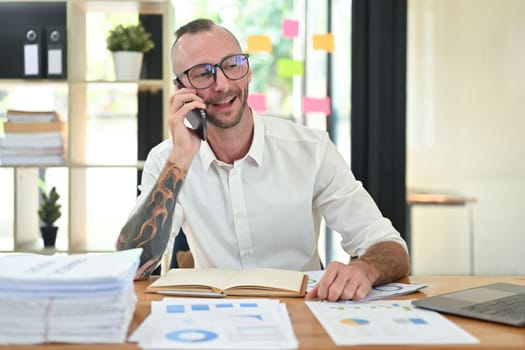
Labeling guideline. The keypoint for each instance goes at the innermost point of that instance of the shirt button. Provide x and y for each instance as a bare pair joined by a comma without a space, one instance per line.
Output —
247,254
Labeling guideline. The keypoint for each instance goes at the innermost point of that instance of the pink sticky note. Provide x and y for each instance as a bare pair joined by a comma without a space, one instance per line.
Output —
312,104
257,102
290,28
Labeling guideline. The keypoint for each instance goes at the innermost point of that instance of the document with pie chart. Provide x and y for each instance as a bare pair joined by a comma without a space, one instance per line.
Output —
386,322
211,323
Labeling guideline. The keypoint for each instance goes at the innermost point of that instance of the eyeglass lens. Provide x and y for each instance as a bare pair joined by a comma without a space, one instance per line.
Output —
203,75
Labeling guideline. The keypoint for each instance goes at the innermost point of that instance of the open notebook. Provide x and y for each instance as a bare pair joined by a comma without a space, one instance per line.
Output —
497,302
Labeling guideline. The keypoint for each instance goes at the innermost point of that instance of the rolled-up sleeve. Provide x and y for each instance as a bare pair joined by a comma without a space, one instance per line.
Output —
347,207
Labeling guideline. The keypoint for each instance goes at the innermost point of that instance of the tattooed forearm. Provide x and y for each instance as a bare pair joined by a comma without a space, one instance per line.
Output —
150,226
389,261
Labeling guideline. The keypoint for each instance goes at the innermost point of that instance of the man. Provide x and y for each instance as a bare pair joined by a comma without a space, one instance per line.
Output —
254,194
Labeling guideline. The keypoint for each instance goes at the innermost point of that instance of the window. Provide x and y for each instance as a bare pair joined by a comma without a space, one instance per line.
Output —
246,18
326,74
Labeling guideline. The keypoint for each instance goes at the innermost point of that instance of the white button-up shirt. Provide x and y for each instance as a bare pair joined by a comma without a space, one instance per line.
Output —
265,209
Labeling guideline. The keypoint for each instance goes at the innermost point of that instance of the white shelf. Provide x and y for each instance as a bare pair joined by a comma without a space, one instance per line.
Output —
73,236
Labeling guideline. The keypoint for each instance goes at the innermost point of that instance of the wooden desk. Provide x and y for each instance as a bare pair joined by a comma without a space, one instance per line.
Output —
311,334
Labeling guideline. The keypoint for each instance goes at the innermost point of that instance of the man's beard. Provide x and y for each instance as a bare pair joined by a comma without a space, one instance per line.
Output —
226,125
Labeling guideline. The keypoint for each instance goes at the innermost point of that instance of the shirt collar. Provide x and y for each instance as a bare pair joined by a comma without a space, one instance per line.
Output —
255,152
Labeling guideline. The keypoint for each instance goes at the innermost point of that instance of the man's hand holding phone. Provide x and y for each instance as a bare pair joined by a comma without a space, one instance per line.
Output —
186,142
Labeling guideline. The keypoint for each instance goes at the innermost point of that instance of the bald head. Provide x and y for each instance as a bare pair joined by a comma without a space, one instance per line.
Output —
194,27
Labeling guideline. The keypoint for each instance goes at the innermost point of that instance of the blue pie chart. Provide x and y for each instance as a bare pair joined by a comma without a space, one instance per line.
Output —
191,335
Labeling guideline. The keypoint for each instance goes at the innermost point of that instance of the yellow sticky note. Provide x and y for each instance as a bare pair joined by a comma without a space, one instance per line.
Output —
324,42
287,67
256,43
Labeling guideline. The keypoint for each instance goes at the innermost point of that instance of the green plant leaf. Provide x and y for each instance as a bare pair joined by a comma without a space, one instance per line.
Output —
131,37
49,210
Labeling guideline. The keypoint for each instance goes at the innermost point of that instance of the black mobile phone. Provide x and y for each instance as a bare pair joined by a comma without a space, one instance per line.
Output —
197,119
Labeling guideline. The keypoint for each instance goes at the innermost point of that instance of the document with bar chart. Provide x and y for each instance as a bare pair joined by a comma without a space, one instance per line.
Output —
386,322
211,323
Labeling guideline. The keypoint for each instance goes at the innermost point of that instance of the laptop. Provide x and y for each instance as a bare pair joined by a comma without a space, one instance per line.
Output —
497,302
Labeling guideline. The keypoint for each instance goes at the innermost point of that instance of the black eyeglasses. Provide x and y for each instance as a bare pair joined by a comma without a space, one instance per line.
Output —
203,76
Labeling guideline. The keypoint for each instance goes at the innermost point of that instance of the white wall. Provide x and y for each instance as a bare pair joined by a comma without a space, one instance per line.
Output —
466,132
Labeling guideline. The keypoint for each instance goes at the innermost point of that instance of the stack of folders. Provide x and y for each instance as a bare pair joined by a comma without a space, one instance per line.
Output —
84,298
32,137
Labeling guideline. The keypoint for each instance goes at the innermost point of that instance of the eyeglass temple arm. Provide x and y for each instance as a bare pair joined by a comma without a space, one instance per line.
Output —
179,83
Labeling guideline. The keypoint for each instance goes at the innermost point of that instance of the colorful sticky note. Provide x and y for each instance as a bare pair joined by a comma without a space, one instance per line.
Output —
323,42
256,43
287,67
257,102
290,28
312,105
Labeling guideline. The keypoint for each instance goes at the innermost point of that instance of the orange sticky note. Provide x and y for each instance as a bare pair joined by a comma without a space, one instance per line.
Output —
256,43
287,67
323,42
257,102
312,104
290,28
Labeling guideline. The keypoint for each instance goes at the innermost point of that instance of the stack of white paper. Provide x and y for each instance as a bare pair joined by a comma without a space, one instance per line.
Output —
85,298
211,323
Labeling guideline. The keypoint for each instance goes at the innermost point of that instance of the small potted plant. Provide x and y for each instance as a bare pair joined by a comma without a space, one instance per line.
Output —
48,213
128,43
